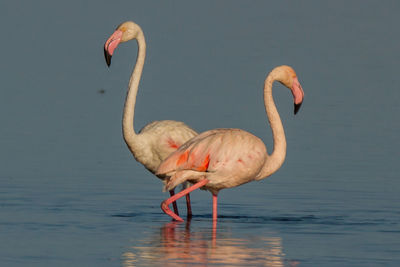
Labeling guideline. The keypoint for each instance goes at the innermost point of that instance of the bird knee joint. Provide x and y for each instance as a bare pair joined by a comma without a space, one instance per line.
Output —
164,206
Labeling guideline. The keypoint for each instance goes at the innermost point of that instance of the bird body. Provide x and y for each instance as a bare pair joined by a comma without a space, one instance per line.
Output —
212,155
225,158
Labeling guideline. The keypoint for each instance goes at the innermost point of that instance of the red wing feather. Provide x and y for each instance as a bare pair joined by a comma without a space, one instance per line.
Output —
185,160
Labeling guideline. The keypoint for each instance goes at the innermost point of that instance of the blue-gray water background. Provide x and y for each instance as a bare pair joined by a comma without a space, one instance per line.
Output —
72,195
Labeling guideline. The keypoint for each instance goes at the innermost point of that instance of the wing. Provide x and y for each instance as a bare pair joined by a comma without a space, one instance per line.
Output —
193,155
216,146
214,155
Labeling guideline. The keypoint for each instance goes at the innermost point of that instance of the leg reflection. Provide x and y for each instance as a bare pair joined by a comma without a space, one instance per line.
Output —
188,243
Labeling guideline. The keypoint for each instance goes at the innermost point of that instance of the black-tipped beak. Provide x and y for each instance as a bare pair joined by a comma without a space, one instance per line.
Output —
297,107
107,56
111,44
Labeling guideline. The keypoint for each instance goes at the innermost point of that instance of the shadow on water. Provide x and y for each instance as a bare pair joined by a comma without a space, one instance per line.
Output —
303,220
176,244
285,219
227,218
141,218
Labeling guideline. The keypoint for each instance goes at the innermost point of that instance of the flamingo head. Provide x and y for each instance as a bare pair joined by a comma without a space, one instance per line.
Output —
124,32
289,79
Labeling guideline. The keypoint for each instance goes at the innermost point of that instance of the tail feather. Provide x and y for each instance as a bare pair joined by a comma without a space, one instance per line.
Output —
169,165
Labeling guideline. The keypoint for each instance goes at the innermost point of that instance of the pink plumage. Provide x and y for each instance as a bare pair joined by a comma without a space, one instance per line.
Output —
213,154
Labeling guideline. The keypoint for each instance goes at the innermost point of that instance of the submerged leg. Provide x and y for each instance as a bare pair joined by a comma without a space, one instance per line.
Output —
165,203
172,193
215,216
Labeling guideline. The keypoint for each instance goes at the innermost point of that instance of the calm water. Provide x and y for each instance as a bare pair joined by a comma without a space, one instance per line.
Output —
72,195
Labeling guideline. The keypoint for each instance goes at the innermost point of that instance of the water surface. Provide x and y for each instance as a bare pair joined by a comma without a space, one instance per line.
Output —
72,195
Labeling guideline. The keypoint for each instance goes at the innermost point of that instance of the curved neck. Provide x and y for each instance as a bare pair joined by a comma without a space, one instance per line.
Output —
129,109
276,159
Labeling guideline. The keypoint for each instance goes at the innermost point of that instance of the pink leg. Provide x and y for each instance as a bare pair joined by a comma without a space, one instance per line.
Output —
215,216
172,193
165,203
189,207
215,204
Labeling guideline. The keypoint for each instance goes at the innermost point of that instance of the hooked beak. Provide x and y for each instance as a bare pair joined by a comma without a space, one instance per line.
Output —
297,107
107,56
111,44
298,95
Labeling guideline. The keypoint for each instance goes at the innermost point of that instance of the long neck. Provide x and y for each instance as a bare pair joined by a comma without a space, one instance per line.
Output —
276,159
129,109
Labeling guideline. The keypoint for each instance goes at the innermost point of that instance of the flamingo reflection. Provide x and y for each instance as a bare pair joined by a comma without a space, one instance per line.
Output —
177,245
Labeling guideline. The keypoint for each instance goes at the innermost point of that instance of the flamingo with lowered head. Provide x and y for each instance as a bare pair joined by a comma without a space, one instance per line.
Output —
224,158
157,139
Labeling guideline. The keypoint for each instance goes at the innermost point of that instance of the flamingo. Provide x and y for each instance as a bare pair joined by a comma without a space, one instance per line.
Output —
158,139
225,158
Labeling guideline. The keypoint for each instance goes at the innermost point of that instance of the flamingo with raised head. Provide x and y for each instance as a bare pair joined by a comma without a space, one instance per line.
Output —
158,139
225,158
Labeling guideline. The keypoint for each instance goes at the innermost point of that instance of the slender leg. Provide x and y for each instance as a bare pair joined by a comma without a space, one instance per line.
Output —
165,203
172,193
214,234
189,207
215,204
215,216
